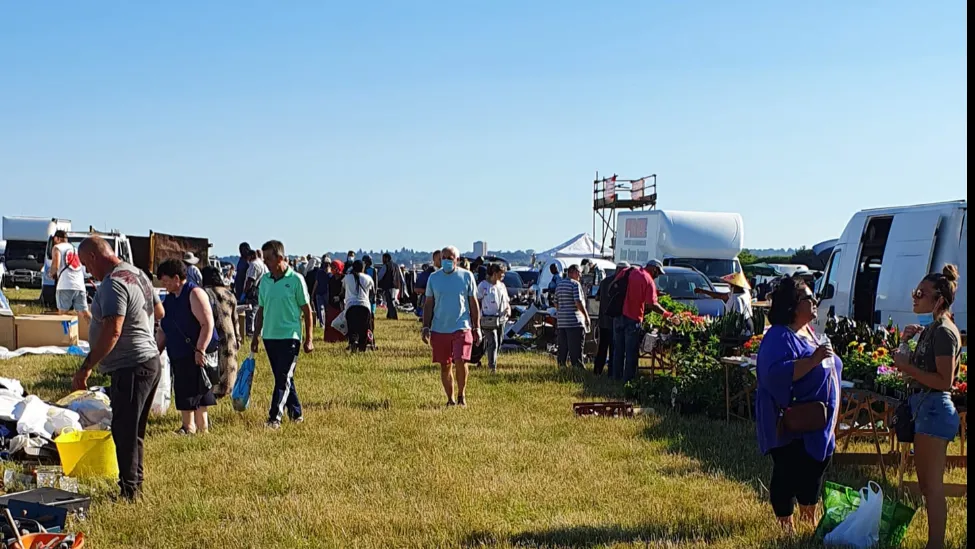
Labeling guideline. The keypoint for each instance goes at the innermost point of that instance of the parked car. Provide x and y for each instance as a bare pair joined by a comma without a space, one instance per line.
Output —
518,294
528,278
680,282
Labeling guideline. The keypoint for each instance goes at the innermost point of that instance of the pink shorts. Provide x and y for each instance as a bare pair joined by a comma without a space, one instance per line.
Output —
452,348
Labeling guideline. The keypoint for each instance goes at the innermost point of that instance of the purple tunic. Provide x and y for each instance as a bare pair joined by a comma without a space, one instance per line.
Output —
776,390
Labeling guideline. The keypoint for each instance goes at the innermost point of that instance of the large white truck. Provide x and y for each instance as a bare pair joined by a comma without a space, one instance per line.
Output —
27,239
709,242
882,256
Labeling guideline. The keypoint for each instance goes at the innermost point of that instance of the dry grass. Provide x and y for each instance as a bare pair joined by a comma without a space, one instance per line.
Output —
380,462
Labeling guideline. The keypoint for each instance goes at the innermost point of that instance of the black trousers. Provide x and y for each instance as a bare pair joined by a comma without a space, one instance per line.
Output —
283,356
796,476
570,342
357,317
604,351
391,312
131,395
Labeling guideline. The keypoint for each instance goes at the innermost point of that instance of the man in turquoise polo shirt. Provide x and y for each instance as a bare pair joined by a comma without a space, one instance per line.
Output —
282,306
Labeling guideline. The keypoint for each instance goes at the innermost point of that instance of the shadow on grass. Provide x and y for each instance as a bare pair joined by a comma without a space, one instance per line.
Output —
365,405
680,531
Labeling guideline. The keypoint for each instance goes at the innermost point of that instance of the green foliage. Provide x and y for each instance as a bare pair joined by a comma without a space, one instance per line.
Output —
675,306
747,258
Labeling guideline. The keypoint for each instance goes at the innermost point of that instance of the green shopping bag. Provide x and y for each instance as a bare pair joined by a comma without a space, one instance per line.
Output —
839,501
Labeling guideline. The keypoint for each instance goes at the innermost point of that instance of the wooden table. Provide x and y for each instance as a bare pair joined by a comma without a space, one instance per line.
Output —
854,403
739,364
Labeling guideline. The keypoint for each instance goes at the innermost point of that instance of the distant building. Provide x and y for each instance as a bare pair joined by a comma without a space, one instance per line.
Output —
480,248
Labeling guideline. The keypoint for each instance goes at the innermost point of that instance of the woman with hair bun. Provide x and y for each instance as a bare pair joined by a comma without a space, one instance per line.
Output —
932,368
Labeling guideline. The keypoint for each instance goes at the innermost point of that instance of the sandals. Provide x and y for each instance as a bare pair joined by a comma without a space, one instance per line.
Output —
184,431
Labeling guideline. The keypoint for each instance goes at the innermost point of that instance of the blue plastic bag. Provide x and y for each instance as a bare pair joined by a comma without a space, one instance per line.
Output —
241,395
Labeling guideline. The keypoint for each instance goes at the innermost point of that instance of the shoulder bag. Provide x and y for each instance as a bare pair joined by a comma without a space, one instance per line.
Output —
806,417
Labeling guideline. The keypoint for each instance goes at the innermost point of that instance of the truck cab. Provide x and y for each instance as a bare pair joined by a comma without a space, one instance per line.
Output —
118,241
883,254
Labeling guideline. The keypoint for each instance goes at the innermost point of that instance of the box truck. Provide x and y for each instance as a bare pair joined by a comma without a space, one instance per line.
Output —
709,242
27,239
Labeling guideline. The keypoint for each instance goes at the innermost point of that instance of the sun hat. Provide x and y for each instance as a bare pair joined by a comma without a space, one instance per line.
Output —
190,258
737,279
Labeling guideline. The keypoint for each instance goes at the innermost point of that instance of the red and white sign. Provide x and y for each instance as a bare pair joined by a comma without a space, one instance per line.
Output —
636,190
611,189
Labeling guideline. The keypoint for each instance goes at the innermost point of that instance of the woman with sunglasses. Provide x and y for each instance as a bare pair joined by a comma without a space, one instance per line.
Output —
932,368
795,366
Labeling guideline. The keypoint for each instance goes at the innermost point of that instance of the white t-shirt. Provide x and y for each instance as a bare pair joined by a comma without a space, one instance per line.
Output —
739,303
357,294
493,298
256,270
71,275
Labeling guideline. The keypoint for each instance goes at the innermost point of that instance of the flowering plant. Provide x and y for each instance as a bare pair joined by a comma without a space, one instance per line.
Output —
753,344
890,378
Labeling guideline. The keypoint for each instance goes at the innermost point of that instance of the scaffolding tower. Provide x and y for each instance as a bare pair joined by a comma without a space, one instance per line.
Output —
611,194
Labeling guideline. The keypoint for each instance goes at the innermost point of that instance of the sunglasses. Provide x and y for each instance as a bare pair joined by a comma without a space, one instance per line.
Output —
809,297
919,294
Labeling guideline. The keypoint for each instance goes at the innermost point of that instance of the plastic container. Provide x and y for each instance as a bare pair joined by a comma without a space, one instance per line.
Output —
87,454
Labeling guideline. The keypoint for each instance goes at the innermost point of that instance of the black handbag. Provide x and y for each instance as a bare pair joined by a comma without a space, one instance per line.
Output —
904,421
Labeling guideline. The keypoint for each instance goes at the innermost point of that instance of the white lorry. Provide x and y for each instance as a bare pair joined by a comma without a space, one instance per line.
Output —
27,239
882,256
708,242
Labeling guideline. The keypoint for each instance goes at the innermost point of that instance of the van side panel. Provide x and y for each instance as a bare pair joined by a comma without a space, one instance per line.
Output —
907,259
961,298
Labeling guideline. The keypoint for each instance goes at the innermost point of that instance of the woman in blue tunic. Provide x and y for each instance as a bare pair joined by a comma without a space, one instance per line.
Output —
794,366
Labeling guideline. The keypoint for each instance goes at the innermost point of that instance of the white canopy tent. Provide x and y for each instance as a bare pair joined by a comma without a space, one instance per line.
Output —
580,246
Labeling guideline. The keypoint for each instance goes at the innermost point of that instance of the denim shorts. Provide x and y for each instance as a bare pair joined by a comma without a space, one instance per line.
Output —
71,300
936,415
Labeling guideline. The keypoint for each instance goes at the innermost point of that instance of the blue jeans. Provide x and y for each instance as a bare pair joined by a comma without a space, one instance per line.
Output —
283,356
936,415
626,348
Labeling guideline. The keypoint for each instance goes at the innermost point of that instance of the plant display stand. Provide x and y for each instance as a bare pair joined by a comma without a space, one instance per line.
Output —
603,409
854,405
655,350
744,366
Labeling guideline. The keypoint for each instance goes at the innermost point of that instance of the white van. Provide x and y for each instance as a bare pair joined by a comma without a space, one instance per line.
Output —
884,253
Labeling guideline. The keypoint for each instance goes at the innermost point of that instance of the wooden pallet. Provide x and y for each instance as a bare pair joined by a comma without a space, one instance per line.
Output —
603,409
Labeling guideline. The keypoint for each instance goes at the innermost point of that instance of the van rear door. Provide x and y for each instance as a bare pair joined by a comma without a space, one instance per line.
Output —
907,259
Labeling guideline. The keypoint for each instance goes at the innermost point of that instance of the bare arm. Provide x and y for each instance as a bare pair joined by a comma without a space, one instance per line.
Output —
940,380
475,312
428,304
100,348
158,311
55,265
658,308
258,327
160,340
200,306
723,296
582,309
308,316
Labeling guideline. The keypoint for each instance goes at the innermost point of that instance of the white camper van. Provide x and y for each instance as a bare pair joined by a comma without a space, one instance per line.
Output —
708,242
882,256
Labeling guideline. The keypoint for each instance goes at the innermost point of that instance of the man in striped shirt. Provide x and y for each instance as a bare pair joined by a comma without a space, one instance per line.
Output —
572,318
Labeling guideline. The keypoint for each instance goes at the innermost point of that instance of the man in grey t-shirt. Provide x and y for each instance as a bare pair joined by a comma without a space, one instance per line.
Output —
123,344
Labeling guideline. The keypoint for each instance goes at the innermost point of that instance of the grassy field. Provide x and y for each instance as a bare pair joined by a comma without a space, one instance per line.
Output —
379,462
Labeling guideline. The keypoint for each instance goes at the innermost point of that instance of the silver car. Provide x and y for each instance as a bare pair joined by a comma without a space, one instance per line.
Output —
680,282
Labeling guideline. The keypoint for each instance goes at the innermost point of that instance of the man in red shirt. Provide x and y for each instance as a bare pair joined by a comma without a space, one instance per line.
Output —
641,291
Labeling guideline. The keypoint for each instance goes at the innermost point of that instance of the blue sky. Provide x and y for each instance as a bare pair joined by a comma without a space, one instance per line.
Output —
386,124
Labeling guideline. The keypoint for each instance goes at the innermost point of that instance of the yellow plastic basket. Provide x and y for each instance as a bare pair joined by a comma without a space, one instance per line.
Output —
87,454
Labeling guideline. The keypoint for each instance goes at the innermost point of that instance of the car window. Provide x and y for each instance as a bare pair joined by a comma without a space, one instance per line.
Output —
528,278
512,280
681,285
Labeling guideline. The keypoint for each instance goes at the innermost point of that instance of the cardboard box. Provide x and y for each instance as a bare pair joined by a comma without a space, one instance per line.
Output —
84,324
46,330
8,333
